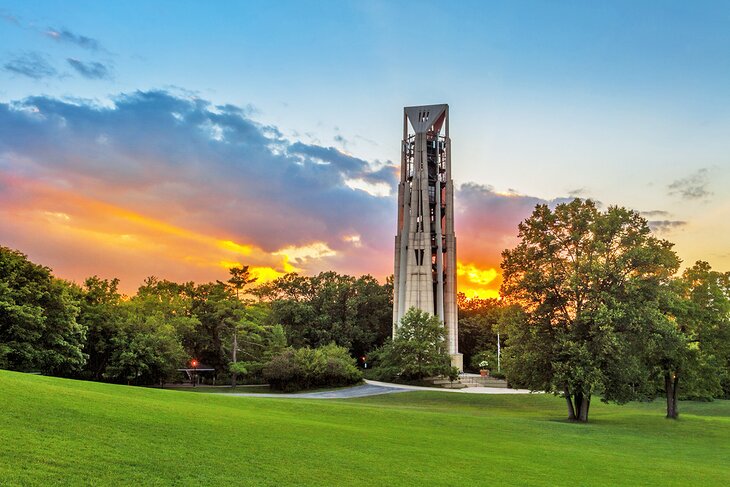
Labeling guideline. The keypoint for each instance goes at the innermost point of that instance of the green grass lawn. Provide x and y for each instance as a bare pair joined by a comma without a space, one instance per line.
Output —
62,432
243,389
247,389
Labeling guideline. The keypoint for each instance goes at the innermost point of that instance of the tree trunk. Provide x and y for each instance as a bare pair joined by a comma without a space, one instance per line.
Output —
569,400
579,407
584,407
235,349
671,385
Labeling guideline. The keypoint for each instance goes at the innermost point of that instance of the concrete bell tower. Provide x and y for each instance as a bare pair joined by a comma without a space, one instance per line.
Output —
425,245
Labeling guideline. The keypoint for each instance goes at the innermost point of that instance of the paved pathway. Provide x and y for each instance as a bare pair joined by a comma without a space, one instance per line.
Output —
375,388
467,390
345,393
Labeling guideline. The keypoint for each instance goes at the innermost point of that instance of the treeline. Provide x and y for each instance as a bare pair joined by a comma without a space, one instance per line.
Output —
593,306
93,332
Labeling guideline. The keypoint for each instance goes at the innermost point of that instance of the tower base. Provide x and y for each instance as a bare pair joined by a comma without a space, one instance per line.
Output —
457,360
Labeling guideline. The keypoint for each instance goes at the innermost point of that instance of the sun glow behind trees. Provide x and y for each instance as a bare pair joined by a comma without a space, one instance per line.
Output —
85,221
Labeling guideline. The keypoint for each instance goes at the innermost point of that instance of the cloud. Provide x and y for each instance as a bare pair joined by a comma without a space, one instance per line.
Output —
173,185
196,167
578,192
67,37
654,213
9,17
665,226
90,70
692,187
486,224
32,64
342,141
486,215
345,164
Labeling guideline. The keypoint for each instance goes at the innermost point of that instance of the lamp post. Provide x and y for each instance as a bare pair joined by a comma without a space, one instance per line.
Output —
499,355
194,364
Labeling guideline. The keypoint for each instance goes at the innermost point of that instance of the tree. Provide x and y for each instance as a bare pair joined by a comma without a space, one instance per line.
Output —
693,346
102,314
146,351
248,334
38,327
355,313
708,321
210,344
240,277
478,326
418,349
148,346
591,286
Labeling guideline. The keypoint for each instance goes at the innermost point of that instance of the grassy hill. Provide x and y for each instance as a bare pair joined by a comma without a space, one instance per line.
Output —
63,432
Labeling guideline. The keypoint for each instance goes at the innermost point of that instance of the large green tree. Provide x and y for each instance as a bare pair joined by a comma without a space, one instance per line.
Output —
418,349
158,325
693,346
38,327
591,286
146,350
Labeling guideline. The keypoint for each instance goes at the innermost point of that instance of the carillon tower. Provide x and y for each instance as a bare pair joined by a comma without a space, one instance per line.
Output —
425,245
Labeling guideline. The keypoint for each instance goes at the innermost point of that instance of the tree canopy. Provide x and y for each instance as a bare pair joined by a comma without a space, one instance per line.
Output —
355,313
418,349
94,332
38,326
591,286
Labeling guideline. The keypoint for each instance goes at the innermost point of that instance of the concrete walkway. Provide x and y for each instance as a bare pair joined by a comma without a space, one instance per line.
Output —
375,388
345,393
467,390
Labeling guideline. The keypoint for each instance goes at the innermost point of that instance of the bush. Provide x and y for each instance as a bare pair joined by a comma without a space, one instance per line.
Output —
484,356
418,350
306,368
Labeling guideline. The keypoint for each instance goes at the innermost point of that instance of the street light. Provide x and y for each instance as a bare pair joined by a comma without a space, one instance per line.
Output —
194,363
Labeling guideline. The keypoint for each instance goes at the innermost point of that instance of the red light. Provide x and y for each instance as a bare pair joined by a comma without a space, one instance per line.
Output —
194,363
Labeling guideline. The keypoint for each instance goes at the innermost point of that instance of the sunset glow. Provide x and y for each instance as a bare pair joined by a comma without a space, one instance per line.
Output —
476,282
118,159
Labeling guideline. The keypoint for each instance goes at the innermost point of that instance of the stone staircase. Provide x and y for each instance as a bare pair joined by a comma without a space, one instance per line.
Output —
467,380
475,380
445,383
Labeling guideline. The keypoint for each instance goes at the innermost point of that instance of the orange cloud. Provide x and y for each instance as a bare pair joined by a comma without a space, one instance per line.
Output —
136,245
476,275
475,281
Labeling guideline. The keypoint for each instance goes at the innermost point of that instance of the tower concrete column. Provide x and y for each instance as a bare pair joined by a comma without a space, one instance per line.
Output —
425,244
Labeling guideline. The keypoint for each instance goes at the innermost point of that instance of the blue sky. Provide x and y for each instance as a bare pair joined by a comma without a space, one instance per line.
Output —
625,102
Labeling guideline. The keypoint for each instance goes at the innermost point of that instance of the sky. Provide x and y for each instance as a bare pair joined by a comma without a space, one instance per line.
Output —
179,138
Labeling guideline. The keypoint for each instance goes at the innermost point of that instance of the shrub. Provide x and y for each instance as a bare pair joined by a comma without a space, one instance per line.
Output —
484,356
306,368
418,350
